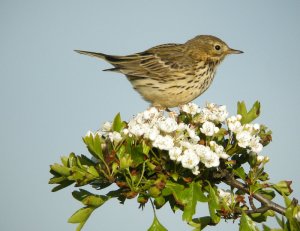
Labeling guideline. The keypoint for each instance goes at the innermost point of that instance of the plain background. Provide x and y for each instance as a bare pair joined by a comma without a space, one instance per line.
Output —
50,96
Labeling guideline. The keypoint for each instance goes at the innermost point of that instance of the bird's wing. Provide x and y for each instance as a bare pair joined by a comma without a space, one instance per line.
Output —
162,60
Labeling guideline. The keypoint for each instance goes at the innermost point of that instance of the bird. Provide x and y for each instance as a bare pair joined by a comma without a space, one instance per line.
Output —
172,74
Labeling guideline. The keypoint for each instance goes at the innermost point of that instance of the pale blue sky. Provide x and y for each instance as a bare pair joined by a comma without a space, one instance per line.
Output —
50,96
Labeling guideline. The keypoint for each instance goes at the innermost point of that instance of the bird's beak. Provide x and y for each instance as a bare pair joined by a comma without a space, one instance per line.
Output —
233,51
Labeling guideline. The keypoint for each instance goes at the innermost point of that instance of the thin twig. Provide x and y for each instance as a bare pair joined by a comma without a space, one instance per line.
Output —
267,204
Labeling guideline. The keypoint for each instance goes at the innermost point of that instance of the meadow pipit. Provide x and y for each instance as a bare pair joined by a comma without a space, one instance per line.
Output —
171,74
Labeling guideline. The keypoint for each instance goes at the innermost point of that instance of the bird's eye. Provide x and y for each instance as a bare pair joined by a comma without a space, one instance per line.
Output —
217,47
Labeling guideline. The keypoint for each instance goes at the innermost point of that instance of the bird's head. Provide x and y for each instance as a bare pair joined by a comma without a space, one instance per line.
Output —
204,47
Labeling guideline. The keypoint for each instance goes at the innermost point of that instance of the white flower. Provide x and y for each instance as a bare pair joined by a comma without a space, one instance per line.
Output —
234,123
192,134
239,117
244,138
260,159
136,129
201,150
195,170
182,127
152,133
203,115
235,126
209,128
210,159
185,144
175,153
225,196
255,145
167,125
222,113
115,136
89,133
106,127
190,108
297,216
150,113
219,150
256,126
125,131
189,159
163,142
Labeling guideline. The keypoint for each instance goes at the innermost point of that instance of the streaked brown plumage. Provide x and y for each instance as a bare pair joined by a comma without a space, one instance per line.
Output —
172,74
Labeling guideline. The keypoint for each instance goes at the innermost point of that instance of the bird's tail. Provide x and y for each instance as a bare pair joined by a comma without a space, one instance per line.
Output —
119,62
93,54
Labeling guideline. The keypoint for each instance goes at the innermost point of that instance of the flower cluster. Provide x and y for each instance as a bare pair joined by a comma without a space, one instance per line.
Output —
246,135
166,131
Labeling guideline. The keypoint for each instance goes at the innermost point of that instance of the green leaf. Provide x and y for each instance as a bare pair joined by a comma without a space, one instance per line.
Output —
267,193
62,185
200,223
190,196
159,202
241,109
81,194
283,187
93,144
146,148
255,187
60,169
118,124
81,215
252,114
213,205
95,200
137,155
156,225
246,223
92,170
176,190
240,172
281,221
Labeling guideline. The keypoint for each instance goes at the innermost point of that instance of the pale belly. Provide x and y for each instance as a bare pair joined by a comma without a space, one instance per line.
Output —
172,94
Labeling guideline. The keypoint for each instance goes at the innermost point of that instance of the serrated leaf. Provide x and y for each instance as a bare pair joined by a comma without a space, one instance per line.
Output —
253,113
93,144
248,116
190,196
246,223
156,225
